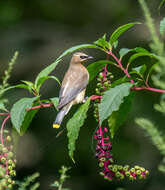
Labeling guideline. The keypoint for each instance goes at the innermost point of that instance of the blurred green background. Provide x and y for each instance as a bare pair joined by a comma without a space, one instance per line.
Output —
41,30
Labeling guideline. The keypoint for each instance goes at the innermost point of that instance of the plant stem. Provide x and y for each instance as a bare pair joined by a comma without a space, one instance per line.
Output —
149,88
120,65
39,106
2,127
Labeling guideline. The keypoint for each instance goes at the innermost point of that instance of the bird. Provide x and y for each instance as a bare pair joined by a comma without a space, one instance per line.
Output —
73,86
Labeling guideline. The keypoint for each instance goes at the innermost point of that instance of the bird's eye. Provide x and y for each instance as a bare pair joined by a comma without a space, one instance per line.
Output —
83,57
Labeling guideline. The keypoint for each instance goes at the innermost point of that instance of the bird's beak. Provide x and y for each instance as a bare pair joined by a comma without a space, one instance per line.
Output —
90,57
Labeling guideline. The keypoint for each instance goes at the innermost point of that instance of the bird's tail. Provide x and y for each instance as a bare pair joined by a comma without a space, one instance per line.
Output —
60,115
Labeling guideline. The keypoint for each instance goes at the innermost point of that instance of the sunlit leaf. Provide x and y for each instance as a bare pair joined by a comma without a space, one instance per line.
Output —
45,72
112,99
115,35
75,48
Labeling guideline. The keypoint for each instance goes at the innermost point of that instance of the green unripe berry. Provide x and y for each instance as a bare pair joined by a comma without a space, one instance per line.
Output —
137,167
9,180
132,170
10,168
127,173
101,164
138,172
102,174
103,159
106,84
142,169
10,186
117,174
125,168
114,169
147,172
120,167
10,154
8,138
99,85
121,176
7,176
4,150
110,167
3,159
101,75
10,161
111,77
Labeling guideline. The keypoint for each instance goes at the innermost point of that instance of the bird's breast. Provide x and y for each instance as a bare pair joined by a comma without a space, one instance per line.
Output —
79,98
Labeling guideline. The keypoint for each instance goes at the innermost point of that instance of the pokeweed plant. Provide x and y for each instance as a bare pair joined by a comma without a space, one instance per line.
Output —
112,102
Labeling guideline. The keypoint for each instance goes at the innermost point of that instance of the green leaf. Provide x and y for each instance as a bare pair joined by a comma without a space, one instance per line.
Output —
19,112
112,100
43,79
123,52
27,120
162,27
117,118
2,104
45,72
115,35
140,69
95,67
55,101
115,44
75,48
141,54
120,81
74,124
102,42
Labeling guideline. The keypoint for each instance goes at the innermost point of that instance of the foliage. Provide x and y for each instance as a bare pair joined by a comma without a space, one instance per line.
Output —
112,102
63,177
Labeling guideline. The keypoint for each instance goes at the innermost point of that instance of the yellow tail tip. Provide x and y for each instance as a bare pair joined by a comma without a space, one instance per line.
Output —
56,126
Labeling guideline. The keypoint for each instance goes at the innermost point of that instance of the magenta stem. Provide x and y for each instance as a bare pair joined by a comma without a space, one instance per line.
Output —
2,127
149,88
95,97
120,65
39,106
4,113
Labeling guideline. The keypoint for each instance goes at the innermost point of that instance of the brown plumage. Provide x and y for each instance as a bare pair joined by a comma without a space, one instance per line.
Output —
73,86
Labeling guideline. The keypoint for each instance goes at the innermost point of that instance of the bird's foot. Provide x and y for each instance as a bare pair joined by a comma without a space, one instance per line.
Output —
85,99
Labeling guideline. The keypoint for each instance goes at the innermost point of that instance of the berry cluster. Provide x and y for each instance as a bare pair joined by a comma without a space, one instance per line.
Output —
104,83
103,147
111,171
7,163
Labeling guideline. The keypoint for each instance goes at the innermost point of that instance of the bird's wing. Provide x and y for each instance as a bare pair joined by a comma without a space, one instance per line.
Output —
73,85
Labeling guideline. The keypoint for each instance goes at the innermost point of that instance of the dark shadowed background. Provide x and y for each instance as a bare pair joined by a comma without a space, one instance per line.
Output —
41,30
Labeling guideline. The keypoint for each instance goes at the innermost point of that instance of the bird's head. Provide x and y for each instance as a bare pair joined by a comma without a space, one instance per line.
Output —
80,57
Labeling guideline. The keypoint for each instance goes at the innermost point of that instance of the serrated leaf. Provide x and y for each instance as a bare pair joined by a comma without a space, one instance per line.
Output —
45,72
162,26
19,112
55,101
75,48
112,99
115,35
95,67
43,79
73,126
117,118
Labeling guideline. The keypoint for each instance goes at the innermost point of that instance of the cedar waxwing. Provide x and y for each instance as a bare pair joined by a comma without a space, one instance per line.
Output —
73,86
